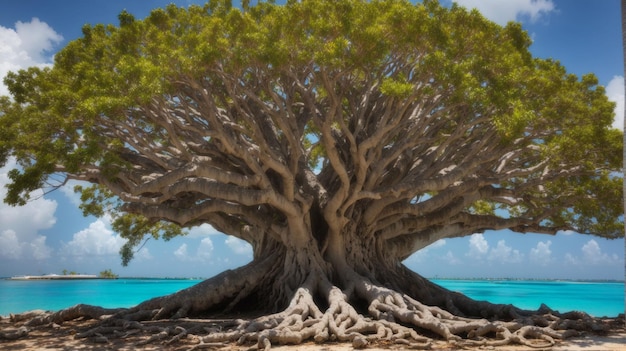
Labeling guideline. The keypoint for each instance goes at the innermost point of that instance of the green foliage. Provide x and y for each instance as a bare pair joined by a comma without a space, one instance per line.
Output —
108,274
96,200
134,228
396,88
483,207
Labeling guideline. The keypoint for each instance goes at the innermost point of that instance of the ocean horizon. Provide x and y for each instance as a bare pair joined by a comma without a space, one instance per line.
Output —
596,297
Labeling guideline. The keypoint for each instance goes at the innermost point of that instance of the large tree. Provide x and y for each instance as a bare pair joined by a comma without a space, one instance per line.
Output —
337,138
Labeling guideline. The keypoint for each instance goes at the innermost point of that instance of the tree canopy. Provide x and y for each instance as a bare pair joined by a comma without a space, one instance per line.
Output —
406,118
336,137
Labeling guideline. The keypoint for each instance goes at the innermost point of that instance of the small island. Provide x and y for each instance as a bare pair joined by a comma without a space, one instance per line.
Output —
106,274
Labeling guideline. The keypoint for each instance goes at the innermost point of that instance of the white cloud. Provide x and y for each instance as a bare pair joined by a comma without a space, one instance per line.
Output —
541,253
143,255
96,240
21,47
478,246
240,247
615,93
479,249
39,249
12,248
9,245
204,252
36,37
25,220
571,260
503,11
505,254
437,244
591,251
181,252
25,46
202,231
205,249
68,190
592,255
423,254
20,226
451,259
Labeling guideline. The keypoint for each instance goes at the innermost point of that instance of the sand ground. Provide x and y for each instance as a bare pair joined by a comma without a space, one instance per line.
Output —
62,338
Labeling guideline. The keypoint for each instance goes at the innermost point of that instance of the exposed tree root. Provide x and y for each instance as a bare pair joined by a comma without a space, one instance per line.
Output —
391,317
405,309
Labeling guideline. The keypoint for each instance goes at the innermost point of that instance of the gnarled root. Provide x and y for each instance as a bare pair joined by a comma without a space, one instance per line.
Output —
537,329
391,317
24,323
303,320
392,306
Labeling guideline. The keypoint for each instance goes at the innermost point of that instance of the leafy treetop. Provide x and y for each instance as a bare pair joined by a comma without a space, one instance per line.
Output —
384,113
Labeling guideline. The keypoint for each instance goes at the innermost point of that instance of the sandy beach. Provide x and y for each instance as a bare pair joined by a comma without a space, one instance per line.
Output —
62,337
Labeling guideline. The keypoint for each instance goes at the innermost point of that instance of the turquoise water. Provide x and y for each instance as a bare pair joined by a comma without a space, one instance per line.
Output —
18,295
595,298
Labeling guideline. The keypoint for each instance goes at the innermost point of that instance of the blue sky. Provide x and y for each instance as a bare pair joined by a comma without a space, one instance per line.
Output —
49,235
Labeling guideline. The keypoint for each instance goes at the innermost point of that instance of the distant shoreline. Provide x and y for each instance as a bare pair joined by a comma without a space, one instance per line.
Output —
56,277
534,279
91,276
